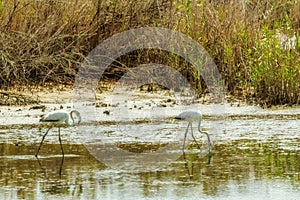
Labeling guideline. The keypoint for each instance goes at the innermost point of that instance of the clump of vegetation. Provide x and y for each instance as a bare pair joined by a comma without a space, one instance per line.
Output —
46,41
255,43
275,70
244,39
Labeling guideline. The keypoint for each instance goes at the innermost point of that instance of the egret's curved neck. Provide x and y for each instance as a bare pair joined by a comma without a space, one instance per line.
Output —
70,120
208,138
199,124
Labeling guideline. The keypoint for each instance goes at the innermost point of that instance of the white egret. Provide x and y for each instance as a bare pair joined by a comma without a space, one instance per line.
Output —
57,118
190,117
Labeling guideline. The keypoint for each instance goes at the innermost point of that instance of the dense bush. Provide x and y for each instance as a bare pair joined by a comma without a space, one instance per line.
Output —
255,43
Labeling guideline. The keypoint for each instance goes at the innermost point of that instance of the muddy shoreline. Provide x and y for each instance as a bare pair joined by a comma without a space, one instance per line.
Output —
30,104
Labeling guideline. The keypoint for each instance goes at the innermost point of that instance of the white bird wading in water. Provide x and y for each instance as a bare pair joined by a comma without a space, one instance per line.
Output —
190,117
59,117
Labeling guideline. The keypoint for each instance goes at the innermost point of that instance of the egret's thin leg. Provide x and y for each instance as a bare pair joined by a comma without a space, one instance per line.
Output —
209,158
61,166
43,170
186,131
187,167
42,142
194,136
62,150
208,141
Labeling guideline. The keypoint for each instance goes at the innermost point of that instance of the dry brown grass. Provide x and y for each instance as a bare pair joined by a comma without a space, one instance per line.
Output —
234,33
46,41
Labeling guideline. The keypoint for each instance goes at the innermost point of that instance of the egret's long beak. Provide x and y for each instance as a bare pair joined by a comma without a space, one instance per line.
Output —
177,117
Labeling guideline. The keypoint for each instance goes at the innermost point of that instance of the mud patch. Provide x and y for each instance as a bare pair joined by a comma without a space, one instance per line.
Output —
14,99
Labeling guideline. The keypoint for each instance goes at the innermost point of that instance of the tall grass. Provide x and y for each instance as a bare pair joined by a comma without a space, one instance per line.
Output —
242,37
45,41
275,70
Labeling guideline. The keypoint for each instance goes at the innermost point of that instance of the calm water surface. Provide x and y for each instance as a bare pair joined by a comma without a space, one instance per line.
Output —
255,158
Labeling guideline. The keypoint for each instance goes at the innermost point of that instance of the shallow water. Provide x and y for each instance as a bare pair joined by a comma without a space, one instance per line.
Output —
255,156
